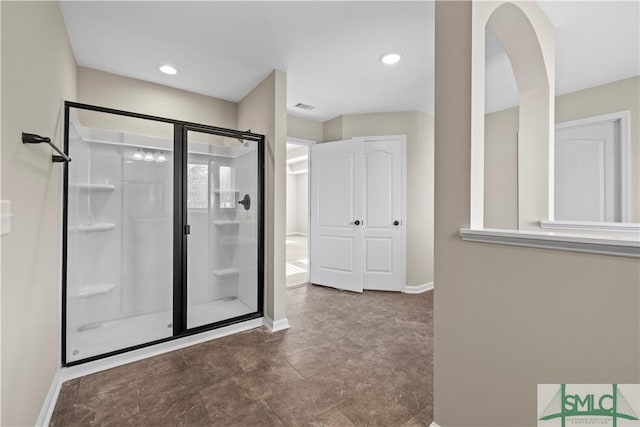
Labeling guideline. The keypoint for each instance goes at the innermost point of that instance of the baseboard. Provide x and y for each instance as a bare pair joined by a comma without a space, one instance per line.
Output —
278,325
418,289
72,372
50,401
433,424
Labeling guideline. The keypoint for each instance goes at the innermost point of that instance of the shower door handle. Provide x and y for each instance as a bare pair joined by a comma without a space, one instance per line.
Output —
187,229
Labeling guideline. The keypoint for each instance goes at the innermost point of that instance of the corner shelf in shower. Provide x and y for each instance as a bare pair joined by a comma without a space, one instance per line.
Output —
147,142
226,272
93,187
101,226
225,223
89,291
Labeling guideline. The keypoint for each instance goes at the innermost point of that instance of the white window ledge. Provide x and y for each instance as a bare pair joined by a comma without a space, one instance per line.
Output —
617,227
625,246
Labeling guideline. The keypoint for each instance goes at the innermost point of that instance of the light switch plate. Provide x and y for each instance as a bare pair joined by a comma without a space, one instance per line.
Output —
5,217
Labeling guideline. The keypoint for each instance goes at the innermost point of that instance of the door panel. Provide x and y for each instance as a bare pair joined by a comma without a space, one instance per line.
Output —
383,248
336,173
336,253
222,245
336,241
587,181
379,252
580,189
379,181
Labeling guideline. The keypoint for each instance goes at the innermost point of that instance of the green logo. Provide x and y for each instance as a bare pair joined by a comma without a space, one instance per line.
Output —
564,405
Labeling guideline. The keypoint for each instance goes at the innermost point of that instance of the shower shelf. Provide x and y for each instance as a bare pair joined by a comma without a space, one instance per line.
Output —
226,272
223,223
102,226
93,187
89,291
217,191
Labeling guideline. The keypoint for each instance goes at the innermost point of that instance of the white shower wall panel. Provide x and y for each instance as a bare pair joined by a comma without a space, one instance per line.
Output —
147,235
94,254
247,236
198,250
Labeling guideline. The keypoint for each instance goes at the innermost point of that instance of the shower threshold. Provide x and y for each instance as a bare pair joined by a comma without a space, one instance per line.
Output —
104,337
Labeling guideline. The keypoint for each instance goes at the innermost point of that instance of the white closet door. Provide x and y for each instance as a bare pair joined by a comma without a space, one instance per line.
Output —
336,206
384,267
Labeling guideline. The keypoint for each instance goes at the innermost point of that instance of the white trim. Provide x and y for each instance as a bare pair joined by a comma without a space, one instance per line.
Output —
300,172
50,401
298,159
278,325
300,141
144,353
624,117
433,424
418,289
617,227
620,246
297,233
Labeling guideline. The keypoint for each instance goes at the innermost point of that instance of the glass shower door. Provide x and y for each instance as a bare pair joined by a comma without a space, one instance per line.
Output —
119,222
222,214
163,230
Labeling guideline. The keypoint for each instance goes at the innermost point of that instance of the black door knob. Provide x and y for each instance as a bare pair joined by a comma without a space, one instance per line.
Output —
396,222
356,222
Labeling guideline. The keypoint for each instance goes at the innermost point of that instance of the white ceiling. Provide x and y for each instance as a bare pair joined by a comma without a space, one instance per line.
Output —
330,50
597,42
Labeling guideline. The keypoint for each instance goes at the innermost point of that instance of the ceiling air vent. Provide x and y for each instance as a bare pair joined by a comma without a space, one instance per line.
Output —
304,106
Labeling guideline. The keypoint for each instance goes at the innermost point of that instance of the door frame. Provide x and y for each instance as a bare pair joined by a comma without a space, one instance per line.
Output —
179,283
624,174
306,143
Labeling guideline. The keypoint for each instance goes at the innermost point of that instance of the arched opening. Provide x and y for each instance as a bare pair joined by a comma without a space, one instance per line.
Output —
528,40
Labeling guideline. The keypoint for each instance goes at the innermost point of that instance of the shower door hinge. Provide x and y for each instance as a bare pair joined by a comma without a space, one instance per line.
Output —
187,229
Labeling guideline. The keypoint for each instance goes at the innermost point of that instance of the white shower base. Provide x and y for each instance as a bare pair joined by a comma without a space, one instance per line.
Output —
118,334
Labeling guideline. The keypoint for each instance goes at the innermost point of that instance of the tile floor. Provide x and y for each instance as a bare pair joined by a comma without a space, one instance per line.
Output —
348,359
297,269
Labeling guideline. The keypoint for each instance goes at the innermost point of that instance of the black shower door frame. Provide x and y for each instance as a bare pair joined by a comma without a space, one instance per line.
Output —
180,226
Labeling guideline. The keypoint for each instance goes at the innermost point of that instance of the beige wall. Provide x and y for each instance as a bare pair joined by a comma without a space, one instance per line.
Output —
501,169
332,129
264,111
418,127
501,172
38,71
508,318
298,127
124,93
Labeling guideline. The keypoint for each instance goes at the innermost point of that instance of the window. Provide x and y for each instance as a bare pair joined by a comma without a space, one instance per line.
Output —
226,190
198,178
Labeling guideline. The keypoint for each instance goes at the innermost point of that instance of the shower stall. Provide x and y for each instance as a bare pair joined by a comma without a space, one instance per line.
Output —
163,230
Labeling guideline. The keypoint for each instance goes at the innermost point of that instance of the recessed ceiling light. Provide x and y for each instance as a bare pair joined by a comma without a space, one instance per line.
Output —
168,69
390,58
